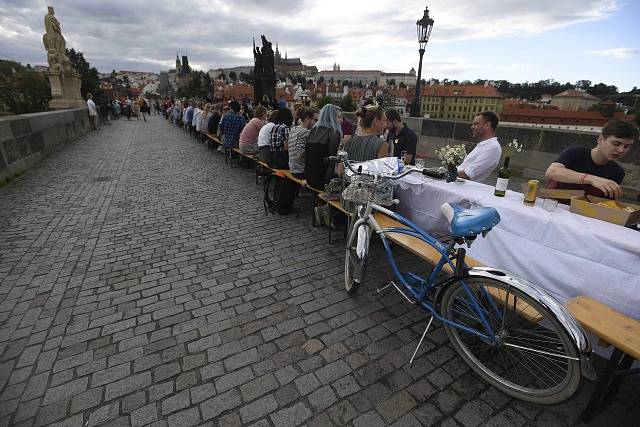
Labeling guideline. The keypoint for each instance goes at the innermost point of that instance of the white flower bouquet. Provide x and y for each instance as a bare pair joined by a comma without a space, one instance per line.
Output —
512,148
452,156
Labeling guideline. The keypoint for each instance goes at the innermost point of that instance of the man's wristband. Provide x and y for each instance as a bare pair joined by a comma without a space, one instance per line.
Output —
583,177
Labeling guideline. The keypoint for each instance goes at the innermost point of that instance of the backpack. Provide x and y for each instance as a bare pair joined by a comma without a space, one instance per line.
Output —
279,158
284,194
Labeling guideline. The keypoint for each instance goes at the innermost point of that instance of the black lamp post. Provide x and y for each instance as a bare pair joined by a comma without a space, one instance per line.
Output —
425,25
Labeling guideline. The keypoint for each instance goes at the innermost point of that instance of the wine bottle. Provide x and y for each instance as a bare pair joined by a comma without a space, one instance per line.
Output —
503,179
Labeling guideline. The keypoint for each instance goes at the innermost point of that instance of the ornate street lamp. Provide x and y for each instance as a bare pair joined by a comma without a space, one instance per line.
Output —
425,25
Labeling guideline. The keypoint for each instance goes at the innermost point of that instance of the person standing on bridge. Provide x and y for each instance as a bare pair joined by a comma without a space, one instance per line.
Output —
93,112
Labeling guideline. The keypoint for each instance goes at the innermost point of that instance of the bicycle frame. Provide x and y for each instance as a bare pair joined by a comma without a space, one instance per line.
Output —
431,282
461,271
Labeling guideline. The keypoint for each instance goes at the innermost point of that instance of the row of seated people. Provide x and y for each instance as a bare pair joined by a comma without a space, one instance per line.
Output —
302,143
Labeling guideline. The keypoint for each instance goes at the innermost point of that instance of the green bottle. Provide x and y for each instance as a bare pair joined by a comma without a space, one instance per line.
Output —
503,179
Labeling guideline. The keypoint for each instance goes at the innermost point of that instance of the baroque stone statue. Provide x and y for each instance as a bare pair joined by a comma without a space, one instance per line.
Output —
64,80
55,44
264,72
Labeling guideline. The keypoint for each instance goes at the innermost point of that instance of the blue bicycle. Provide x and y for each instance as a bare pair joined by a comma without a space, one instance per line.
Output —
511,333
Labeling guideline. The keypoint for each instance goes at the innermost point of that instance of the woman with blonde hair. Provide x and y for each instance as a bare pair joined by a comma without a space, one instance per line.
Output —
135,106
203,122
367,144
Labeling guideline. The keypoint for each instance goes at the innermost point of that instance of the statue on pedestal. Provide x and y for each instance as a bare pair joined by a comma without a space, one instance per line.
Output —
265,75
65,81
55,44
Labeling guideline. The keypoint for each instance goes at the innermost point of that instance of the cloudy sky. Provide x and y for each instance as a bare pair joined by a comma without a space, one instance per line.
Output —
517,40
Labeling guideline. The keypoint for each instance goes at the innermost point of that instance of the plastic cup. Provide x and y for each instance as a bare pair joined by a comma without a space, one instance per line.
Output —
549,205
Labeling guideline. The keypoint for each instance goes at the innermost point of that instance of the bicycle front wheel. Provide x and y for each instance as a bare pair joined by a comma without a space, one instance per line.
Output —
532,357
355,259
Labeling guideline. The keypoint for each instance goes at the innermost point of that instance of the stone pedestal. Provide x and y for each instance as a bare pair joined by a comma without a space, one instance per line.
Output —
65,90
268,85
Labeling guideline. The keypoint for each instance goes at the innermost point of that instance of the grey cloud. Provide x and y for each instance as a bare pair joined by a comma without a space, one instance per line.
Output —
142,35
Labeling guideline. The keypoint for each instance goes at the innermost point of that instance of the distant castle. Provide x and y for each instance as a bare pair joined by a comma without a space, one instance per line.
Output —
286,67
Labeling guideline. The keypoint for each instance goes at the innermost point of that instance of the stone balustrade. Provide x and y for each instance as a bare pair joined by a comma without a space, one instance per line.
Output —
28,138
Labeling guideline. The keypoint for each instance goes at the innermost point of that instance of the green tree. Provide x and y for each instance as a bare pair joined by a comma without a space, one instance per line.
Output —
323,101
233,76
347,103
90,82
321,80
402,85
22,90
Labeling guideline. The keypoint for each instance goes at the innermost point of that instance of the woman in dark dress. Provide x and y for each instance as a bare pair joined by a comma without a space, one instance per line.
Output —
323,141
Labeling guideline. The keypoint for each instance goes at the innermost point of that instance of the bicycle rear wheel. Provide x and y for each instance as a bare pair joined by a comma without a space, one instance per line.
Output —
355,265
533,358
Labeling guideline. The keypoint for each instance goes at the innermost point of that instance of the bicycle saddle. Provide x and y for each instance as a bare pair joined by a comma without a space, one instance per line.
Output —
469,222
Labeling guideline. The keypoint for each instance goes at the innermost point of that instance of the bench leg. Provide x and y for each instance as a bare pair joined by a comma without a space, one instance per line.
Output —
625,364
330,220
313,214
603,386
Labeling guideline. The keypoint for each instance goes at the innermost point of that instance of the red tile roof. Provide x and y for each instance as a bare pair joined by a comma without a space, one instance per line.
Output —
574,93
238,91
552,116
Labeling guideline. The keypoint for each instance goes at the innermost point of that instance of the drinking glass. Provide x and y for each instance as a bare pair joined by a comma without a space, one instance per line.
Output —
549,205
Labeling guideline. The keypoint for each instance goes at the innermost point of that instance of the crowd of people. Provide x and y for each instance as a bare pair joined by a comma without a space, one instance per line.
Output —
302,139
107,109
298,140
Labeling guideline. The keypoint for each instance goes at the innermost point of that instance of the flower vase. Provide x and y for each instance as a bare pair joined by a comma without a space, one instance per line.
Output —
452,172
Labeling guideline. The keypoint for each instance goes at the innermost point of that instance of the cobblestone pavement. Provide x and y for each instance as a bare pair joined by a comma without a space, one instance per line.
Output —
141,282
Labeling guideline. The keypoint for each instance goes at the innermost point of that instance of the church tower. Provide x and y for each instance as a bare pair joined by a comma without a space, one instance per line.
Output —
178,67
276,56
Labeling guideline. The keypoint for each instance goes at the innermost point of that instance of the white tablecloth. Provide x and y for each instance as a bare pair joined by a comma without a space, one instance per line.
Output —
565,253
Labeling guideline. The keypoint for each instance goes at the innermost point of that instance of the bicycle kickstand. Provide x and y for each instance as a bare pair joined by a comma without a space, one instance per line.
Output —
424,334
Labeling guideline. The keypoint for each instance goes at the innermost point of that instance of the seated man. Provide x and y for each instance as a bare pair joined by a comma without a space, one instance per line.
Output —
231,126
401,137
483,159
595,170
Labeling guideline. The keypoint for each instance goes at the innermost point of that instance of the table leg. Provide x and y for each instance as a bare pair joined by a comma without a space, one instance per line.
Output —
602,386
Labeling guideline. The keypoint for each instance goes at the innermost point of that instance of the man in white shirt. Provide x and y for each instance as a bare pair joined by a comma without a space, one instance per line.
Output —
483,159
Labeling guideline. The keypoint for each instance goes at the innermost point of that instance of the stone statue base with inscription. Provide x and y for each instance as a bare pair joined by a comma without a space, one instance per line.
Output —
65,90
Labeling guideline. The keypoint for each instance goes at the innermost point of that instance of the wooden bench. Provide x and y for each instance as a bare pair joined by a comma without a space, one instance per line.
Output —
213,141
431,255
616,329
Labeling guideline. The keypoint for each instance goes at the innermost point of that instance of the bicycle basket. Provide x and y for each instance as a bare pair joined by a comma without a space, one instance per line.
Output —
361,187
334,189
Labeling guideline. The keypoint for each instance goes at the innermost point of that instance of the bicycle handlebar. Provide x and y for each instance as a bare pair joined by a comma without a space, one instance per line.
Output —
345,160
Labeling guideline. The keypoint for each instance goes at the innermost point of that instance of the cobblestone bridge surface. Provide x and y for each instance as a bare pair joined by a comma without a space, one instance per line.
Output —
142,283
